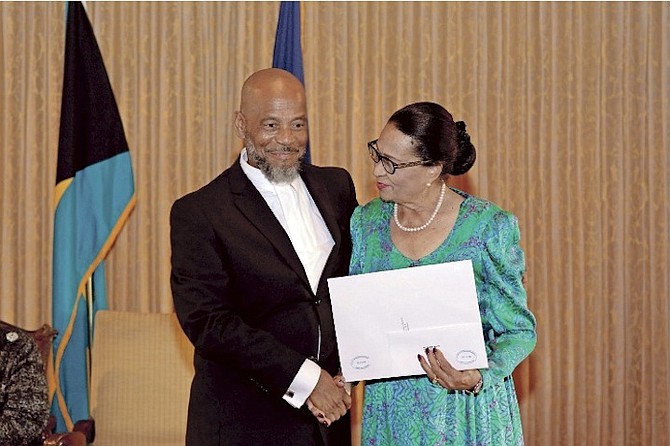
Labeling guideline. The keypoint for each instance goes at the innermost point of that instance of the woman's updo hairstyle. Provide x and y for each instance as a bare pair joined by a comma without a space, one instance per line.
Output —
437,137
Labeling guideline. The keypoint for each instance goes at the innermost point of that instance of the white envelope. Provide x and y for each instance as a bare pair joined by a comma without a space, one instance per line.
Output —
384,319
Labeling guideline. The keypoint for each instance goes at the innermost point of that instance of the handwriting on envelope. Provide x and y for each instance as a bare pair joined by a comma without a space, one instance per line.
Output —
384,319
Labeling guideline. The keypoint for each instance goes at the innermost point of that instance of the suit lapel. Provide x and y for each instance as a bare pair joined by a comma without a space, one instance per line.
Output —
319,193
252,205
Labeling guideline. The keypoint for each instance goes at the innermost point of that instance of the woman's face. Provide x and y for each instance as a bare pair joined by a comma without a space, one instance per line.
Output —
404,185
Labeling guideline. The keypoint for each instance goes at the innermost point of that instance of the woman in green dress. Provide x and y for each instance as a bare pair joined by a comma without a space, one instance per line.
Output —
419,220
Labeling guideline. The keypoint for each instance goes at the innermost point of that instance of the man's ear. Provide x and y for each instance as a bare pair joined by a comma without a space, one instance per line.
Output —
240,124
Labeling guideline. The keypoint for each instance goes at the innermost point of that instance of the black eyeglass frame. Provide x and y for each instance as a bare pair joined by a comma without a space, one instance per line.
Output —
386,161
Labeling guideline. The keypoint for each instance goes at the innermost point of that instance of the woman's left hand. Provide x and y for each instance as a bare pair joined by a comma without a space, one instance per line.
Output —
441,373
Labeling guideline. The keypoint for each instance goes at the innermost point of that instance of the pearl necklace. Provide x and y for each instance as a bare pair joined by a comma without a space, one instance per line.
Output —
430,220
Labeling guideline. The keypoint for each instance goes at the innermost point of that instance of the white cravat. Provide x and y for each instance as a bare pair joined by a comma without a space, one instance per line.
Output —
306,229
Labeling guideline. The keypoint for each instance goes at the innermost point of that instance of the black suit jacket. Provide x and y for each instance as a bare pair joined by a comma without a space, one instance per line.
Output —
244,300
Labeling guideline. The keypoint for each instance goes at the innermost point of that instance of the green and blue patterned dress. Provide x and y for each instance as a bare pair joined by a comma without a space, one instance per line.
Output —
411,411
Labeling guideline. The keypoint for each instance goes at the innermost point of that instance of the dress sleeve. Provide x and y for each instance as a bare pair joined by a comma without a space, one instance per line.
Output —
509,326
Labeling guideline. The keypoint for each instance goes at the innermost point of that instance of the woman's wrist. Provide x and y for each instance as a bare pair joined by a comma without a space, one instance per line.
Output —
477,387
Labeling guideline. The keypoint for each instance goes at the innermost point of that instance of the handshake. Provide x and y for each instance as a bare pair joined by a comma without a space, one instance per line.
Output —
330,400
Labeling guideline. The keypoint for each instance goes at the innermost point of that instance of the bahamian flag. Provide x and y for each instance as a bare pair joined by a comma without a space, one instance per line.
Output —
95,194
288,48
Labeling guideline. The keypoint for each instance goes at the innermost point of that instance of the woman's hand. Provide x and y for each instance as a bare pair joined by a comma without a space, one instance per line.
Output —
318,413
441,373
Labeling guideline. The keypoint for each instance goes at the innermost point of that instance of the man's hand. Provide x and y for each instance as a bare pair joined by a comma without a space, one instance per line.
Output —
329,400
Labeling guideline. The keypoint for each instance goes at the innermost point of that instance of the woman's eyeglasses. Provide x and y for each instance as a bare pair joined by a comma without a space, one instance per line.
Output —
389,165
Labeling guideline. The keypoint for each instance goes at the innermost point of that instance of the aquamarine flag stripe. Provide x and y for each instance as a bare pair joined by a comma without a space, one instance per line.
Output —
73,368
86,214
85,219
73,371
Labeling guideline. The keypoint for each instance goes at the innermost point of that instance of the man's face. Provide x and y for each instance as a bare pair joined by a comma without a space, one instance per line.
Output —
275,135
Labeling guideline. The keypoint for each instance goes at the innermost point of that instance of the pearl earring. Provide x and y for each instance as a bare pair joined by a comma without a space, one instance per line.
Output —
428,184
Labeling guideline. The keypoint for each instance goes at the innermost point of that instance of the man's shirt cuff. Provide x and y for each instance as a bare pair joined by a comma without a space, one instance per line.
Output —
303,384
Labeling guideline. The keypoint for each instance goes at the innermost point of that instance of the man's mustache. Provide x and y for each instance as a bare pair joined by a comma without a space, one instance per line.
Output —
284,149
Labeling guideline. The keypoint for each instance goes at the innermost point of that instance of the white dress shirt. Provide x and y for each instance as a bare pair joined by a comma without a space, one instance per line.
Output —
296,211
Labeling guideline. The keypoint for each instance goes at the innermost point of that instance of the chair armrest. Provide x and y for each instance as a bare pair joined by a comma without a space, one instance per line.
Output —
86,427
82,434
66,439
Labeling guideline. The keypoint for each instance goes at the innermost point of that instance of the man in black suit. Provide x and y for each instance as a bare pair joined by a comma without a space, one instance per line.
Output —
251,252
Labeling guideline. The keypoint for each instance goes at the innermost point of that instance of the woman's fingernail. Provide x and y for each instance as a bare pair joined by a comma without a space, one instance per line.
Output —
320,415
418,357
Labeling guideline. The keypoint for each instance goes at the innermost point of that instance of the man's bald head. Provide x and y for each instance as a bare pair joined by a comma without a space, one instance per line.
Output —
267,85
